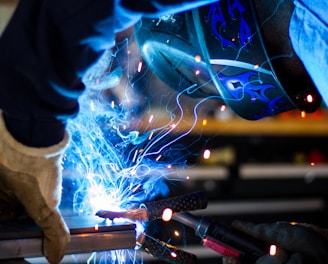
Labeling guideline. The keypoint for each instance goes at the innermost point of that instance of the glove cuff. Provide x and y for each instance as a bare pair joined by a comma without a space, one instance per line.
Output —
45,152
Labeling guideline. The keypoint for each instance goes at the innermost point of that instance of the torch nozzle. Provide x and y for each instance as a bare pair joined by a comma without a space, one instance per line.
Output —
139,214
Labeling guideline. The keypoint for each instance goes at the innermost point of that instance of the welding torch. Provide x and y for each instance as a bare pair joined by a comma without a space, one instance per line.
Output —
221,238
225,239
154,210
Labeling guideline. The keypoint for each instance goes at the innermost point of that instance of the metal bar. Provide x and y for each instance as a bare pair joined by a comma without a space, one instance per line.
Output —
88,234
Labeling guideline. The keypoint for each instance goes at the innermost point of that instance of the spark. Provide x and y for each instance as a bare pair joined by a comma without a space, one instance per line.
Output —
167,215
140,66
151,135
173,255
109,168
136,188
309,98
223,108
273,250
176,233
114,166
151,118
207,154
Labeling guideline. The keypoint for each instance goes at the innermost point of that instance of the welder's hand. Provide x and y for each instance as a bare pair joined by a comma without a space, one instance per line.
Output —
297,243
30,179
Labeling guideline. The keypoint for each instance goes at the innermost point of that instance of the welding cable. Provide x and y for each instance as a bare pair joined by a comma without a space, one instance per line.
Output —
225,239
164,251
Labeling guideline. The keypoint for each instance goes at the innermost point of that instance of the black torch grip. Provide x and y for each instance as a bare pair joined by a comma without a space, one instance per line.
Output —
167,252
183,203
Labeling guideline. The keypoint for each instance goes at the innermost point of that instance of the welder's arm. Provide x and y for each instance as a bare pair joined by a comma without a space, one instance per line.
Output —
308,32
296,243
46,49
30,182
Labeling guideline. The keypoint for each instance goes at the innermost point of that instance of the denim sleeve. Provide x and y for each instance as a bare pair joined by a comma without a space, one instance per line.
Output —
47,47
309,36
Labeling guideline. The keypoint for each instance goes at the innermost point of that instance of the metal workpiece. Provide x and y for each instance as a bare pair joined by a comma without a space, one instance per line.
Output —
23,239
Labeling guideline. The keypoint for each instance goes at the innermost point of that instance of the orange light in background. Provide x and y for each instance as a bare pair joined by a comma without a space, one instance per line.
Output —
176,233
167,215
198,58
303,114
204,122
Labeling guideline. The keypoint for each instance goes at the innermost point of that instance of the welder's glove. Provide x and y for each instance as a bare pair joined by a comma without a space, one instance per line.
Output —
297,243
31,178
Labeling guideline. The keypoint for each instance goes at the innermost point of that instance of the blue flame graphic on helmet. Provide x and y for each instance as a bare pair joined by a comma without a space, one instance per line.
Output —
242,84
247,83
246,80
218,20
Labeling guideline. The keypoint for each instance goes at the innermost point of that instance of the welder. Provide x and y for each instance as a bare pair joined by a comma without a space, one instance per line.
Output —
46,47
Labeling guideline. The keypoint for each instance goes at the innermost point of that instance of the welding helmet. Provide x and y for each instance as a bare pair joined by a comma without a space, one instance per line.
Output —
218,51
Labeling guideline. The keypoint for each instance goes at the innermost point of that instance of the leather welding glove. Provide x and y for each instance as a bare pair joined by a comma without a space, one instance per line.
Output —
31,177
297,243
